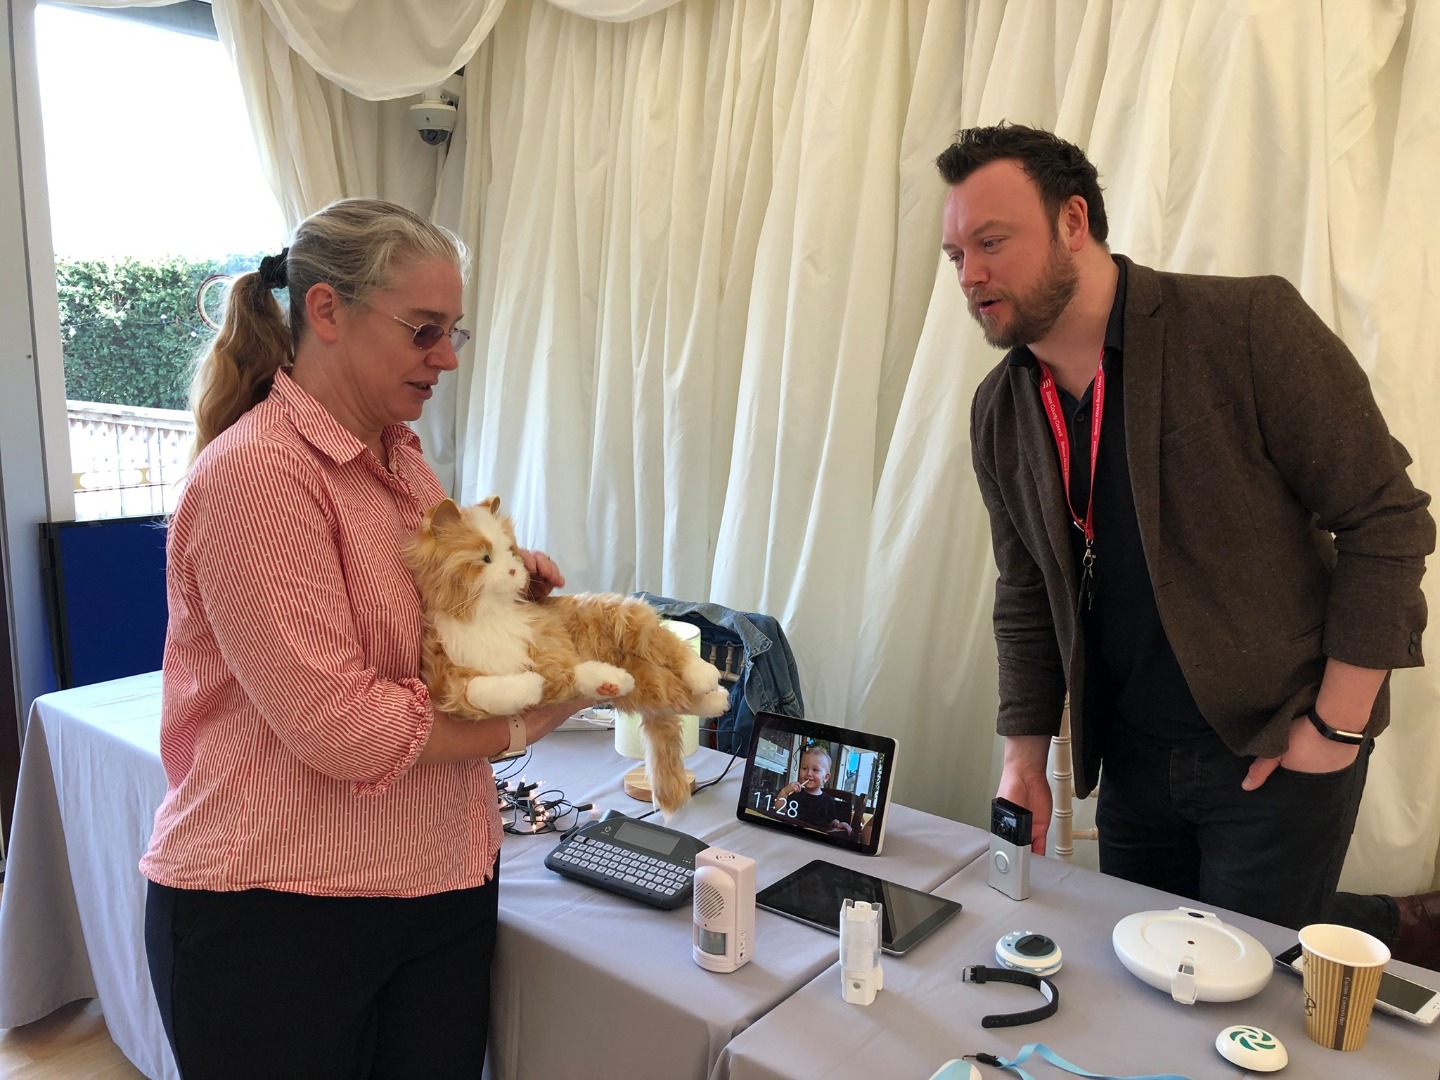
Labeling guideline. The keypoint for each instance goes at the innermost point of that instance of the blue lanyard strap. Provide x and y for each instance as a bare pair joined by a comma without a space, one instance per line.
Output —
1046,1054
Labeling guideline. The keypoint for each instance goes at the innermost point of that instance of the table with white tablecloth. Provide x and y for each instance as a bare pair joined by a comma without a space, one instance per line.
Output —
1108,1021
589,983
72,914
586,983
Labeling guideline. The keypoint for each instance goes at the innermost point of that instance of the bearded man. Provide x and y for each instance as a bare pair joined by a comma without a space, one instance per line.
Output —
1205,534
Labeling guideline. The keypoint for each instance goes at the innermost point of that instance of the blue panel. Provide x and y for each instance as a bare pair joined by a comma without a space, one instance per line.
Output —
106,594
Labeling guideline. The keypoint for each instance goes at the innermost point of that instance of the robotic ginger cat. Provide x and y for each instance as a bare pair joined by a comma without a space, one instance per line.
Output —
489,650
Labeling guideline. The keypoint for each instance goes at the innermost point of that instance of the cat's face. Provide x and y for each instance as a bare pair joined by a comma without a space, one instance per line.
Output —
464,557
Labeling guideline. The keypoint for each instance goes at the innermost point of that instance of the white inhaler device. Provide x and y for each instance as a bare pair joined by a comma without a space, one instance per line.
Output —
861,976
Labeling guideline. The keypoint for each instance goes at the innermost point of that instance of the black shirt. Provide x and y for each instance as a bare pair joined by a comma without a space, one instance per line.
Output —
1134,683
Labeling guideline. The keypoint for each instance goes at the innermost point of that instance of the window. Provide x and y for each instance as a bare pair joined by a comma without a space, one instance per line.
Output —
154,186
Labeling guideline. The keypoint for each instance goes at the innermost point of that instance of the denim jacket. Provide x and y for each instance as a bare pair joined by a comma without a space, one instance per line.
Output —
754,657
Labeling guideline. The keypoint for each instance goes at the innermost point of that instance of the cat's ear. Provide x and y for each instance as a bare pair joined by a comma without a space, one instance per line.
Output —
444,513
492,504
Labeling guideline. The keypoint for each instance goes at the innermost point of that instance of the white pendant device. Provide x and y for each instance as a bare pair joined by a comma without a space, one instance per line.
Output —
1253,1049
724,909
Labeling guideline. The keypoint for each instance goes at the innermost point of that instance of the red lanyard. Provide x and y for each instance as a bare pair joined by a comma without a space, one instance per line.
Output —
1051,399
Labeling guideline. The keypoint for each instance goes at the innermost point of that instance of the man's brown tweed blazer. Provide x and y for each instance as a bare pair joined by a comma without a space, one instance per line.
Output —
1278,522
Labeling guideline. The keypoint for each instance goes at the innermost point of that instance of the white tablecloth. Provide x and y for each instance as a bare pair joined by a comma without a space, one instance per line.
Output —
586,983
73,911
1108,1019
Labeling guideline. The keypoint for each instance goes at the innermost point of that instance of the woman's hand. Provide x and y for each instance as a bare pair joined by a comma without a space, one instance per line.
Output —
543,719
545,576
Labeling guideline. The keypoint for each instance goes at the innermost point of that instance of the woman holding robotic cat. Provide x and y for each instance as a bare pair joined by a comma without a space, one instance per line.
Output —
323,867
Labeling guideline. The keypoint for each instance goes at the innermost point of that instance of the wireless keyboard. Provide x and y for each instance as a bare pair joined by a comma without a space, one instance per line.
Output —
636,859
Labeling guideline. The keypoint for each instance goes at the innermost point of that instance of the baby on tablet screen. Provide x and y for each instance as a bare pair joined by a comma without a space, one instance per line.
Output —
812,806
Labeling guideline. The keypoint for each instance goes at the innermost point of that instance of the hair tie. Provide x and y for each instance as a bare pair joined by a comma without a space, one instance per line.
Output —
274,270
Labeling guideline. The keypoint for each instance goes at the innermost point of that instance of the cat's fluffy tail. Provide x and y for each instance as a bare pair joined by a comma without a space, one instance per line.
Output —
665,762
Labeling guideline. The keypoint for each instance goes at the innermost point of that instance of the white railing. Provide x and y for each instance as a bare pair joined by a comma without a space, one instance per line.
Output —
126,460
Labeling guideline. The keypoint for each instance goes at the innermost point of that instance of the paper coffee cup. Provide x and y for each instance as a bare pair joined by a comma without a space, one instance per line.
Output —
1342,974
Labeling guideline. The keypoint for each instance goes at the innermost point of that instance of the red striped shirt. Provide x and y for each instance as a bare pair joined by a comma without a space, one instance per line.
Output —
292,711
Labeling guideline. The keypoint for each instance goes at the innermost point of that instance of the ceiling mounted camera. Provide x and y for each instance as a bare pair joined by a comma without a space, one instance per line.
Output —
434,118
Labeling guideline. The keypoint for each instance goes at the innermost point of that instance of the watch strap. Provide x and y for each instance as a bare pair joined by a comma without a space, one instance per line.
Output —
1349,738
517,740
980,974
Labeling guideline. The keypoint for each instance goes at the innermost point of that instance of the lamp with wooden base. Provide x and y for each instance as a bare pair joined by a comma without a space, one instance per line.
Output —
631,744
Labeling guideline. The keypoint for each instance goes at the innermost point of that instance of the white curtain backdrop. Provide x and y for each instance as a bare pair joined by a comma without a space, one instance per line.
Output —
717,354
317,141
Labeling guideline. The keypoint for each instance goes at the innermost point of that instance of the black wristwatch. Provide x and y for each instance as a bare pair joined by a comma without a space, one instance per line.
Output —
979,974
1349,738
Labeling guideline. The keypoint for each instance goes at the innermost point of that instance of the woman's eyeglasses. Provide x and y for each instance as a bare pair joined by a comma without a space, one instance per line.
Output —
428,335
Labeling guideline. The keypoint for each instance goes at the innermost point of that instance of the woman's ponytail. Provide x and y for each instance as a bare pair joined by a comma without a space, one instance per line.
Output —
237,370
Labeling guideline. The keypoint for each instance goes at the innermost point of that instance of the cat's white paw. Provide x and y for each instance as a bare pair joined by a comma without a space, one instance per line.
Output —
700,676
712,703
593,678
504,695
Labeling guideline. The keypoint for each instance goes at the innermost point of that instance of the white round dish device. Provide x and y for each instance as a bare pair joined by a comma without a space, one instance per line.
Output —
1192,955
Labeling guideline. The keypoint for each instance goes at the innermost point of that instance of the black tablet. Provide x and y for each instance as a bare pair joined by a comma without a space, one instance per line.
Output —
813,895
822,783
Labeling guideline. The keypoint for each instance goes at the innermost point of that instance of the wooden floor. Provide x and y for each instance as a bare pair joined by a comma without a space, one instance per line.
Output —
70,1043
